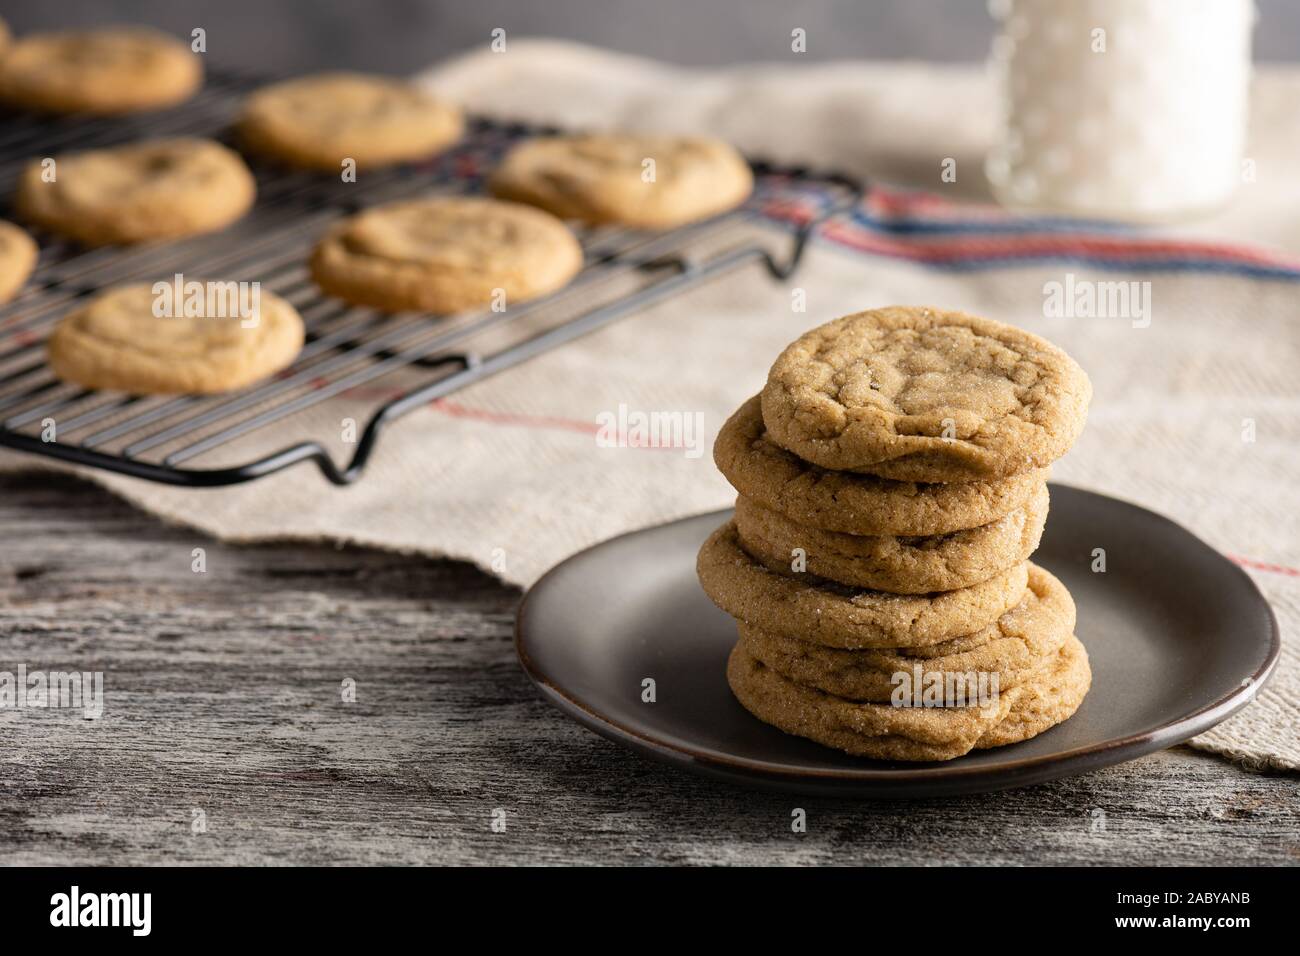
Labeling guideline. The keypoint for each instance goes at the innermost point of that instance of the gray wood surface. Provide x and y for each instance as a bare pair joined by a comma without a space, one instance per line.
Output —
223,695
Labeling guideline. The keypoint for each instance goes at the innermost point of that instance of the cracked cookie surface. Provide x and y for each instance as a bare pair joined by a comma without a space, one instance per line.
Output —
823,612
446,255
117,342
316,122
99,72
885,732
856,503
897,563
156,189
924,394
1014,647
604,178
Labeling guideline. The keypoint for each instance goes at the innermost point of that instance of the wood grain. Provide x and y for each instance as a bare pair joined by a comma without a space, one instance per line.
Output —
223,695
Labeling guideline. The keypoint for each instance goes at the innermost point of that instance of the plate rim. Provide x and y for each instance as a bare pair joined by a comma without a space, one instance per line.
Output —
1017,773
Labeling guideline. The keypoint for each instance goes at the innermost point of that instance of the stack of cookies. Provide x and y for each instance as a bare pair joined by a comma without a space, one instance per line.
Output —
892,481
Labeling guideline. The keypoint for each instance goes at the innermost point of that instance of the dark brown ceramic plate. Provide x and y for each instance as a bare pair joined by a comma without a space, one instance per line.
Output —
1179,638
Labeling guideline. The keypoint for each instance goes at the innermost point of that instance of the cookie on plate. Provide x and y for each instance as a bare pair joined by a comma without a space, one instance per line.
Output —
99,72
650,182
856,503
896,563
1014,647
119,341
18,254
156,189
1049,699
447,254
813,609
316,122
886,732
924,394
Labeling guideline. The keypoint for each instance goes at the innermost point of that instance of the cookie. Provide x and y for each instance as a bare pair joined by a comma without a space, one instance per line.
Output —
649,182
1014,647
880,731
446,255
899,564
99,72
813,609
921,394
853,503
117,342
317,122
6,38
1044,701
157,189
17,260
885,732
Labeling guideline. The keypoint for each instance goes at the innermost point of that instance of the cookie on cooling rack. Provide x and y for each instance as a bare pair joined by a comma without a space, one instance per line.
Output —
17,259
449,254
650,182
317,122
119,341
158,189
102,72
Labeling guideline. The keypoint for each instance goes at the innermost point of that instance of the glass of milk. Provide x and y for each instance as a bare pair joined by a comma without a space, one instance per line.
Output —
1124,109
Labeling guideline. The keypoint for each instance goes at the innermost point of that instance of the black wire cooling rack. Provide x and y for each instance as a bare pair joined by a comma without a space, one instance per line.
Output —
390,364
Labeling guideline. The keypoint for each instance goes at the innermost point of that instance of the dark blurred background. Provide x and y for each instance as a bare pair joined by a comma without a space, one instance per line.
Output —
400,36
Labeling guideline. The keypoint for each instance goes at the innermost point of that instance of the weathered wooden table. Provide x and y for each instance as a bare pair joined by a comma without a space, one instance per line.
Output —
226,738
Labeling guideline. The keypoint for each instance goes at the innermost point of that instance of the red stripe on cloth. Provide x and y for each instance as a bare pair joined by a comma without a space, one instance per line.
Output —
1265,566
456,410
950,248
954,249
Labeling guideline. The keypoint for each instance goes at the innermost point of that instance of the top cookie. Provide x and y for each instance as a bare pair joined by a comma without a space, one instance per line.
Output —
651,182
103,72
921,394
316,122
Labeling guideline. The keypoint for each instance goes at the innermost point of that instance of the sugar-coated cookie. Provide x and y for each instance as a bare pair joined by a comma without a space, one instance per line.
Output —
116,341
896,563
1014,647
652,182
317,122
856,503
925,394
102,72
886,732
812,609
448,254
156,189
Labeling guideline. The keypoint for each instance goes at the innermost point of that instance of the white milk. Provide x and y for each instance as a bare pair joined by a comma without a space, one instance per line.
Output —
1131,109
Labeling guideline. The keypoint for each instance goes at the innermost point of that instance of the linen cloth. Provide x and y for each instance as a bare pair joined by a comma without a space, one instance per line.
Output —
509,474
